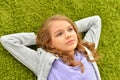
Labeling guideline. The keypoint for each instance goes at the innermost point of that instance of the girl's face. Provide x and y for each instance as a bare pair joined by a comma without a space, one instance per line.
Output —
63,36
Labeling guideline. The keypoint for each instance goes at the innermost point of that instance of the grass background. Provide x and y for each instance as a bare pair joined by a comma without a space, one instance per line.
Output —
27,16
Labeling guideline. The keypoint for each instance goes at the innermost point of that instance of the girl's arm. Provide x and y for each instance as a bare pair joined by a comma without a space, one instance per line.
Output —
92,27
16,45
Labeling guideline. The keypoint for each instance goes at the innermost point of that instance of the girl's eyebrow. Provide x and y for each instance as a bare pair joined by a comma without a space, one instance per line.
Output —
61,30
69,26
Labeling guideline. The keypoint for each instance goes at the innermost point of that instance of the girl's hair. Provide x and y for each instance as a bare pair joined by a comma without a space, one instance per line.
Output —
44,37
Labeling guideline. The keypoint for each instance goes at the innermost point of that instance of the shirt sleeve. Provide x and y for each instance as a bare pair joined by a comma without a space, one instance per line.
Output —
92,27
17,44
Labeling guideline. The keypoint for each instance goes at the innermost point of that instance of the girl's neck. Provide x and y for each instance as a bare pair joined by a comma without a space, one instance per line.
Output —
71,53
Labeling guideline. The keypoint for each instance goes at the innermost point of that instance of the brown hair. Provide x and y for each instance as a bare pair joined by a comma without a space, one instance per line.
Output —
44,38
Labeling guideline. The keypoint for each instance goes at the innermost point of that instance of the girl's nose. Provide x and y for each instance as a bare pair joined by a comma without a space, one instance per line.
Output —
68,35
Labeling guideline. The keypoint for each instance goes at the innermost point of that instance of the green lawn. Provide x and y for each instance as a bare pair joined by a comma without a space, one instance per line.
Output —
27,16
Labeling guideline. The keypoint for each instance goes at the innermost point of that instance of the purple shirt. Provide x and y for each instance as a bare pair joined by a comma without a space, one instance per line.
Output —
61,71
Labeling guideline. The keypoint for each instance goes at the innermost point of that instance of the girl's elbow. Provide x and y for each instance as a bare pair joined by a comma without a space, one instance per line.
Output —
3,39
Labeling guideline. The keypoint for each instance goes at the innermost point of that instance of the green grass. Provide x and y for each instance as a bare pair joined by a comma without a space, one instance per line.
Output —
28,15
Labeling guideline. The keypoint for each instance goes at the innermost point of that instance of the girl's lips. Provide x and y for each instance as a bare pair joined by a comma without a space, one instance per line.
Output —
70,42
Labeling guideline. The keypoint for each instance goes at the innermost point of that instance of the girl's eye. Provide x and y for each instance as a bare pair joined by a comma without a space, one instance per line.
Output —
70,29
59,34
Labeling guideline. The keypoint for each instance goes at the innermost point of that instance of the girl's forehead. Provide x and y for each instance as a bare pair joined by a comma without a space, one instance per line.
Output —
59,23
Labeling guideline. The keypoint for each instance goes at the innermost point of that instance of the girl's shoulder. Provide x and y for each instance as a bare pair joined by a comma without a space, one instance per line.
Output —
45,53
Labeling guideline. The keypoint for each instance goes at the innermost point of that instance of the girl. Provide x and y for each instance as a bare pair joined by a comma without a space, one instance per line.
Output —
61,54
